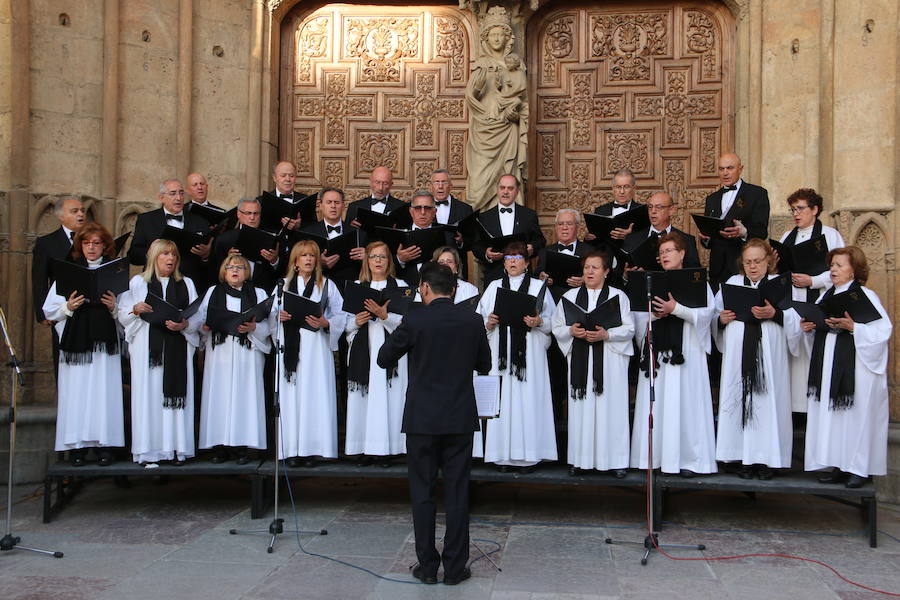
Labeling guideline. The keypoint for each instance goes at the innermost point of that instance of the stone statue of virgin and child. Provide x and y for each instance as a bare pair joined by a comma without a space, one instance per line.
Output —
496,96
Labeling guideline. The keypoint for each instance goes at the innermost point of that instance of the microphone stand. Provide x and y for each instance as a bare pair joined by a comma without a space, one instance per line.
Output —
276,526
10,541
651,541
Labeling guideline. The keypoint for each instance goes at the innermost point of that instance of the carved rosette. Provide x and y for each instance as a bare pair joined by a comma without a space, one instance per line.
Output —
379,149
700,39
334,173
303,152
628,150
676,107
557,44
450,44
581,108
426,108
627,41
578,190
312,43
456,150
381,44
336,107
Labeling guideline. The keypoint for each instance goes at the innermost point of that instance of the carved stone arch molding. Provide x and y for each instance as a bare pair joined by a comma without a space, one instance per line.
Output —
646,86
41,219
367,85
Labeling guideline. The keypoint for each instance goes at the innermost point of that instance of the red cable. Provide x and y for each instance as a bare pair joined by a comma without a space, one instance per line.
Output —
757,554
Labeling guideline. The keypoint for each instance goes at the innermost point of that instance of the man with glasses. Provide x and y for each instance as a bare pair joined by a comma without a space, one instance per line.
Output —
661,208
150,226
567,222
263,271
410,260
746,206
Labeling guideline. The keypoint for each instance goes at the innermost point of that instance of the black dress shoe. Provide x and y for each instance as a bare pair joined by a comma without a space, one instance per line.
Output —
294,462
686,473
76,458
465,574
833,476
528,469
363,461
243,457
104,458
855,481
574,471
764,472
220,455
620,473
745,472
309,463
419,573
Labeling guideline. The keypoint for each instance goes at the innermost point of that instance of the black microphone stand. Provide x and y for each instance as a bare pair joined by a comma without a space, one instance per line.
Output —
651,541
10,541
276,526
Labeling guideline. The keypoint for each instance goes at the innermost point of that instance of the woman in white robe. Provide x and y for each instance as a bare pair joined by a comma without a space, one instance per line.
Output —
683,433
467,294
375,397
806,207
162,428
232,407
598,420
524,434
754,426
846,428
89,384
307,390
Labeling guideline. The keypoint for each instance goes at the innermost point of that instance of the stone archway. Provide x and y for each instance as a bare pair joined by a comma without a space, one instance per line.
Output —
646,86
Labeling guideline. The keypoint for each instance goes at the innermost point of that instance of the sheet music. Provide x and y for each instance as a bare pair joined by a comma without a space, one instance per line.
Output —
487,395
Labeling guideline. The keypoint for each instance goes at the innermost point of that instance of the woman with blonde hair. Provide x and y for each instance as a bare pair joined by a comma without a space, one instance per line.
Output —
376,396
162,359
232,408
754,427
89,383
307,389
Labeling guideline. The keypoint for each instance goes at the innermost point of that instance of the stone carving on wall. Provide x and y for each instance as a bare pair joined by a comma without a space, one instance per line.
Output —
637,94
377,86
497,98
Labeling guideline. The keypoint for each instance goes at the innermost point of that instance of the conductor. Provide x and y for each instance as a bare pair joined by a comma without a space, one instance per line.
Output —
446,345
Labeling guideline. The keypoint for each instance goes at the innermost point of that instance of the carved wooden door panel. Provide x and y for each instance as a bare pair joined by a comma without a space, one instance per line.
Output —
648,88
377,86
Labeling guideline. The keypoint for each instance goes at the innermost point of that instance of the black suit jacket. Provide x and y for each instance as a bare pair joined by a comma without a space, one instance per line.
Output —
391,203
149,228
342,275
691,256
459,210
264,274
410,272
47,247
559,287
526,221
750,207
446,345
188,205
606,209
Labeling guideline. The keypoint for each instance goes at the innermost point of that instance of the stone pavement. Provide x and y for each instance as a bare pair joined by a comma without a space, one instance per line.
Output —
170,540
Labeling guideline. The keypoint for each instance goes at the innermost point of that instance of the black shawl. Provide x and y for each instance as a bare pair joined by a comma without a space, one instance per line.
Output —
358,360
169,348
843,363
518,348
292,329
247,294
811,294
91,328
580,350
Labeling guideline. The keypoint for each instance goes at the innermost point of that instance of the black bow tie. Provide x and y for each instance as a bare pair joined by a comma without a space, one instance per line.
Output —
175,217
330,228
378,201
729,188
71,236
441,202
287,196
506,210
570,247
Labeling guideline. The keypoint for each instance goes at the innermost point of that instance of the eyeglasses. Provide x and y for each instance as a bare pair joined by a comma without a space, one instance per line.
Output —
796,210
235,268
447,263
623,188
174,193
250,213
92,243
421,208
668,251
378,257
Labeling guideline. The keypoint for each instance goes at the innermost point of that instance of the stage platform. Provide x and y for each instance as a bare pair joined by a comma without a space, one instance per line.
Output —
64,480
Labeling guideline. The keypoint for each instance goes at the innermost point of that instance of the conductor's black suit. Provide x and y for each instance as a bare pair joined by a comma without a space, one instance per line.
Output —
446,344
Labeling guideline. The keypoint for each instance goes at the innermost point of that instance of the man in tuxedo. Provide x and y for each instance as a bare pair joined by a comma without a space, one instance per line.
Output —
284,174
410,260
623,189
264,272
661,209
198,192
445,346
450,210
70,212
331,205
746,206
150,226
379,199
507,218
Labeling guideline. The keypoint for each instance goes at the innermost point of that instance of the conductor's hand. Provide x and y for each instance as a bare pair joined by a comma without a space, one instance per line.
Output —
248,326
726,317
492,321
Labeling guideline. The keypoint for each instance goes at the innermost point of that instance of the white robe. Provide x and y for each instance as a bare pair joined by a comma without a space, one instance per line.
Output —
309,401
524,433
374,419
799,363
853,439
683,433
232,406
768,438
598,424
157,433
89,397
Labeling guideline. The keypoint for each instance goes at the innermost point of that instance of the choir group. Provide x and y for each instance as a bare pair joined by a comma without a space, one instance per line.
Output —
234,300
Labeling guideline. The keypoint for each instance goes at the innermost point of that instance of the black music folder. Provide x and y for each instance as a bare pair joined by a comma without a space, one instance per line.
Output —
228,321
299,307
212,214
560,266
602,225
687,286
809,257
711,226
644,255
355,295
341,245
606,315
163,311
428,240
251,240
512,306
183,239
274,209
90,283
812,312
855,302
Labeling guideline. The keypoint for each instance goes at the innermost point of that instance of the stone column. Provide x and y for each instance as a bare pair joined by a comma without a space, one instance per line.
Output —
254,99
185,88
109,157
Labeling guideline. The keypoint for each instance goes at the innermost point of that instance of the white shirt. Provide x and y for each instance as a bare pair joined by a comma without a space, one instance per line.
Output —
663,232
381,207
69,234
174,222
507,219
805,233
334,234
442,215
729,197
618,209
